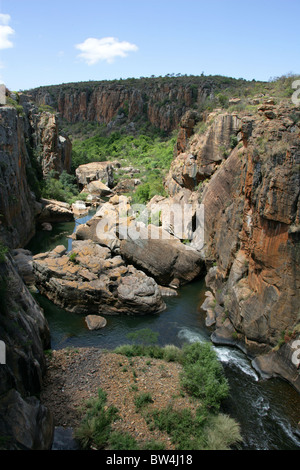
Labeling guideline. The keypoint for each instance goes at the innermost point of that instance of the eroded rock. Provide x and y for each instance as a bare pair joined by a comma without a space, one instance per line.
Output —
89,280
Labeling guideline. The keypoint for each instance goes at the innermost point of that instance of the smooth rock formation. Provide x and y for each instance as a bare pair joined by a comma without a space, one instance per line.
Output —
97,188
162,256
95,322
115,225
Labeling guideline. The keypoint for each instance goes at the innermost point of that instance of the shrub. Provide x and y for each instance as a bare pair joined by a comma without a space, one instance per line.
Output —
171,353
203,375
233,141
186,431
195,431
95,428
142,399
72,257
223,432
61,189
122,441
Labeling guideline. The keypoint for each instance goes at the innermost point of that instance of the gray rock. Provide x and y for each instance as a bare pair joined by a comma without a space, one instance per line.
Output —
92,281
95,322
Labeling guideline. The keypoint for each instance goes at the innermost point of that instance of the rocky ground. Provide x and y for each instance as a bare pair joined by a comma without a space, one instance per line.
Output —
75,375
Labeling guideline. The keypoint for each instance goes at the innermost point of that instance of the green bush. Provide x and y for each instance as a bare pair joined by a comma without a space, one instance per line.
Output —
122,441
62,189
142,399
186,431
172,354
203,375
95,428
144,336
195,431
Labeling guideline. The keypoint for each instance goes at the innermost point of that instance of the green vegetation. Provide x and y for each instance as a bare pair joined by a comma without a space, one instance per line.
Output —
72,257
195,431
203,375
151,154
142,399
200,428
15,103
62,189
144,336
95,428
46,108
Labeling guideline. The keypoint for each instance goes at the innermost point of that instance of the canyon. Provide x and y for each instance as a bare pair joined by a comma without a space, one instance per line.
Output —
241,163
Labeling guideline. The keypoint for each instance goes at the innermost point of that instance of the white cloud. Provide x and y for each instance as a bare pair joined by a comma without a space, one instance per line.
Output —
93,50
5,32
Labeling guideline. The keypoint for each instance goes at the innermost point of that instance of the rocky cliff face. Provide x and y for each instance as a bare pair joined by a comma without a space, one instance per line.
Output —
18,205
200,153
53,148
31,146
252,227
24,422
161,102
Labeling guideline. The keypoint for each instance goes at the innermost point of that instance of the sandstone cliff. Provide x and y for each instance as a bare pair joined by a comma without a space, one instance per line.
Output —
252,216
160,101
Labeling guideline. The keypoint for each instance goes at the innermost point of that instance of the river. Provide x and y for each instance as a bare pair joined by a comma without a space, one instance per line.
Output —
267,410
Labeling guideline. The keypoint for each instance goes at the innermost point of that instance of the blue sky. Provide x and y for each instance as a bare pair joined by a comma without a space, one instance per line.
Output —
45,42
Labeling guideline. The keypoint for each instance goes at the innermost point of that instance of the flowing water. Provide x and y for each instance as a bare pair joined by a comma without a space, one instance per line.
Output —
267,410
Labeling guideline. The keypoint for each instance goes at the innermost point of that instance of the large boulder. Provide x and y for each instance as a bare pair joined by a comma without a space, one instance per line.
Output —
90,280
55,211
162,255
118,227
95,171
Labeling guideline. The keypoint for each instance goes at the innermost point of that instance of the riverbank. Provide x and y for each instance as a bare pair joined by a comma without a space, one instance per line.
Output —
74,376
122,401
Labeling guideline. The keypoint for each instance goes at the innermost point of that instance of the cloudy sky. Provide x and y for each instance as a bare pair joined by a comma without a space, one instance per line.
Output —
45,42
